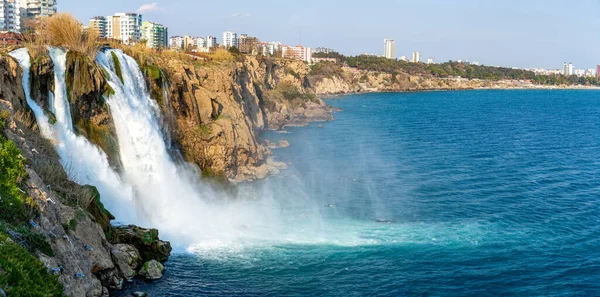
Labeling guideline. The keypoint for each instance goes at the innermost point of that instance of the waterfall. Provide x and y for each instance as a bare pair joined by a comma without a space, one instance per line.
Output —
171,195
84,162
153,189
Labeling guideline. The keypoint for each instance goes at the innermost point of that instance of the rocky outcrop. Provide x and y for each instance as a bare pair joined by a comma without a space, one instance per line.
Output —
86,88
152,270
146,241
127,258
42,80
10,82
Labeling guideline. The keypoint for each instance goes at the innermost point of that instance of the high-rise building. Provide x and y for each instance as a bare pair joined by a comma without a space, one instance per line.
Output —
248,44
297,53
126,27
230,39
31,9
598,71
10,18
156,35
568,69
416,57
176,42
389,48
98,24
189,42
201,42
211,41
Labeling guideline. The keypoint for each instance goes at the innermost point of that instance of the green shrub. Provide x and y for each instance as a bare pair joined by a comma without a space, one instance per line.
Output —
326,69
23,275
16,206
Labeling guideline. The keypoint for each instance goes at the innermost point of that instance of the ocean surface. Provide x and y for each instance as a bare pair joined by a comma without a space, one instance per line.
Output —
468,193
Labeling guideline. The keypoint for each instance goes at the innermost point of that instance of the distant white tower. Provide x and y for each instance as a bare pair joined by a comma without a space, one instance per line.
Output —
568,69
230,39
416,57
389,49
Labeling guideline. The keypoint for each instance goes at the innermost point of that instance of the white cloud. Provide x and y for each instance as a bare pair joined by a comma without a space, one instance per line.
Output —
151,7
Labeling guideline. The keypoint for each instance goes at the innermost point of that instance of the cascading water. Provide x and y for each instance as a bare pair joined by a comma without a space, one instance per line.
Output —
83,161
155,191
170,195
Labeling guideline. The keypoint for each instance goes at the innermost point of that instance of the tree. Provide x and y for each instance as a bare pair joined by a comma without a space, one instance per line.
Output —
234,50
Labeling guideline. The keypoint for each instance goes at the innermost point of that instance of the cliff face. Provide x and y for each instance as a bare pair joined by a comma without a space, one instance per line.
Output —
217,110
359,81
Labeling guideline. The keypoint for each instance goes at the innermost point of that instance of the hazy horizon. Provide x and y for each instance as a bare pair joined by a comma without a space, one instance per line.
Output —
532,34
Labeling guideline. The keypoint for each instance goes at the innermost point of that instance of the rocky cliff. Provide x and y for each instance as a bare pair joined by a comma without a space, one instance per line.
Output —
216,110
352,80
63,224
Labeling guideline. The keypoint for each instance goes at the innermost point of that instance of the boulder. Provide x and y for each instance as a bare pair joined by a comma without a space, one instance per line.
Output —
127,259
146,241
283,144
152,270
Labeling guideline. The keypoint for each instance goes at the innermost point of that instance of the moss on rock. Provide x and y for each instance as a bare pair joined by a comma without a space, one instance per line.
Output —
117,66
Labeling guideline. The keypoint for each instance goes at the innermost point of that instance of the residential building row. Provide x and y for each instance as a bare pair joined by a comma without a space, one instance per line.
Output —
130,28
14,14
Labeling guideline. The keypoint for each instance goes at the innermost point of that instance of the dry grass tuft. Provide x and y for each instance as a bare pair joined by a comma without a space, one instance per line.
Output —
221,55
64,30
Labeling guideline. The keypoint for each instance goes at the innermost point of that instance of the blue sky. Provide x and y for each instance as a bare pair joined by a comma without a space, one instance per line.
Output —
523,33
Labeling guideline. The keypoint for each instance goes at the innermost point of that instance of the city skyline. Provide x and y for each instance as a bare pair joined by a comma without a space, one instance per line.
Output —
512,34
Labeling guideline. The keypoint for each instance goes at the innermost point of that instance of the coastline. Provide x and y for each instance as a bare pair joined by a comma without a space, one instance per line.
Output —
325,96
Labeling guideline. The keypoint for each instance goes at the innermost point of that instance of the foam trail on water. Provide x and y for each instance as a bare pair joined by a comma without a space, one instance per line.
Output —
83,161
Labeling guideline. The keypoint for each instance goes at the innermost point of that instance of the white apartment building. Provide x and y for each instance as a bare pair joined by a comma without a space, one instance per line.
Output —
230,39
98,24
297,53
126,27
416,57
568,69
156,35
430,61
389,48
201,42
211,41
176,42
14,13
37,8
269,49
10,20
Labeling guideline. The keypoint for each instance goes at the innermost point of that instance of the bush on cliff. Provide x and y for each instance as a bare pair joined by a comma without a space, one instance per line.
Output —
21,274
326,69
15,206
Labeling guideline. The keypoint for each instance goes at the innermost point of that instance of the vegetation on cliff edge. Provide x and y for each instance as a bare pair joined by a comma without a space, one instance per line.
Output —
20,273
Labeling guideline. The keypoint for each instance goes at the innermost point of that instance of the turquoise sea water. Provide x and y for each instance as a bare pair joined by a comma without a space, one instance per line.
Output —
426,194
